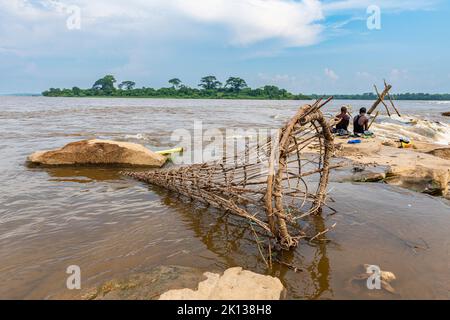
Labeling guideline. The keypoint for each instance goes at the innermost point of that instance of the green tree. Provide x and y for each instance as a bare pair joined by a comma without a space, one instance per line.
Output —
210,83
236,84
106,84
271,91
76,91
53,92
128,85
175,82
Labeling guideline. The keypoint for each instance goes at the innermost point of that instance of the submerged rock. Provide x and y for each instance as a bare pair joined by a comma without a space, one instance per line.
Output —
99,152
165,283
147,285
234,284
386,277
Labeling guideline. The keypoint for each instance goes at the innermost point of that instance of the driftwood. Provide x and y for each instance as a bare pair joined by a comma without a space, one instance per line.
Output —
274,184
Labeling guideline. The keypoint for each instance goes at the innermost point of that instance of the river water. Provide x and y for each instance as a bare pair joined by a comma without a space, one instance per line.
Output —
112,226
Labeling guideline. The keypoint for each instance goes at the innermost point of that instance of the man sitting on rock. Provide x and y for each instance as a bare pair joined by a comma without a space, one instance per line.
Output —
344,120
361,122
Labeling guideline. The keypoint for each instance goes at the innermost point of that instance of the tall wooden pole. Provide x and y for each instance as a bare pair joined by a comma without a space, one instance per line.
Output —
391,100
373,120
380,99
384,104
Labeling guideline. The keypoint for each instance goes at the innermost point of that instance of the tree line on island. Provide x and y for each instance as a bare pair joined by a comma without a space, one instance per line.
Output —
211,88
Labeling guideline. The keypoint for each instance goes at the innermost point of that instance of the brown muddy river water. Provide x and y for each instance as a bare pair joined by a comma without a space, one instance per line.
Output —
112,226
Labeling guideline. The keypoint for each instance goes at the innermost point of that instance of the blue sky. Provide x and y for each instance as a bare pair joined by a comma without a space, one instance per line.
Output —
307,46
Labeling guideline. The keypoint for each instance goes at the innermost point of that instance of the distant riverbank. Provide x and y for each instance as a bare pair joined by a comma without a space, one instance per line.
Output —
399,97
211,88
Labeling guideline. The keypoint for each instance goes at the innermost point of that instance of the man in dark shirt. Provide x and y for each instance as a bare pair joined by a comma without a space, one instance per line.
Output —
344,120
361,122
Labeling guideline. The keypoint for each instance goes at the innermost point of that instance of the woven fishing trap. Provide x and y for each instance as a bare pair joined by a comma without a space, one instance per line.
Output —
274,184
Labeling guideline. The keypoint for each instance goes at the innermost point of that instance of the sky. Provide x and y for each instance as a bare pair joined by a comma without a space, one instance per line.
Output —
305,46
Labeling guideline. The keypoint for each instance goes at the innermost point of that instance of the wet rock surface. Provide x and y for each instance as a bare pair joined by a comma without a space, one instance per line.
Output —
416,169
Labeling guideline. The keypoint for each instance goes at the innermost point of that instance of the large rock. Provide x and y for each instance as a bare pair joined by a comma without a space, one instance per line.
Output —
408,168
446,114
99,152
234,284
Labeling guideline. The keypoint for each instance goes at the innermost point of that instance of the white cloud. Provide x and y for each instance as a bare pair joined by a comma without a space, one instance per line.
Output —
331,74
295,23
246,22
144,36
292,23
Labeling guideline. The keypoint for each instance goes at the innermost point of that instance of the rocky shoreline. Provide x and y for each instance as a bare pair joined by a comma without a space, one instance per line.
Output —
424,167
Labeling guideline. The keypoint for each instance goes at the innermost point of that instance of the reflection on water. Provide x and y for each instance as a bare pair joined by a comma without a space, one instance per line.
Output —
83,175
112,227
233,241
320,267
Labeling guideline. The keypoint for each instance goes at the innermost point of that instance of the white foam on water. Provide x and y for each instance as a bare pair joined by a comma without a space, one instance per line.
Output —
138,136
414,128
